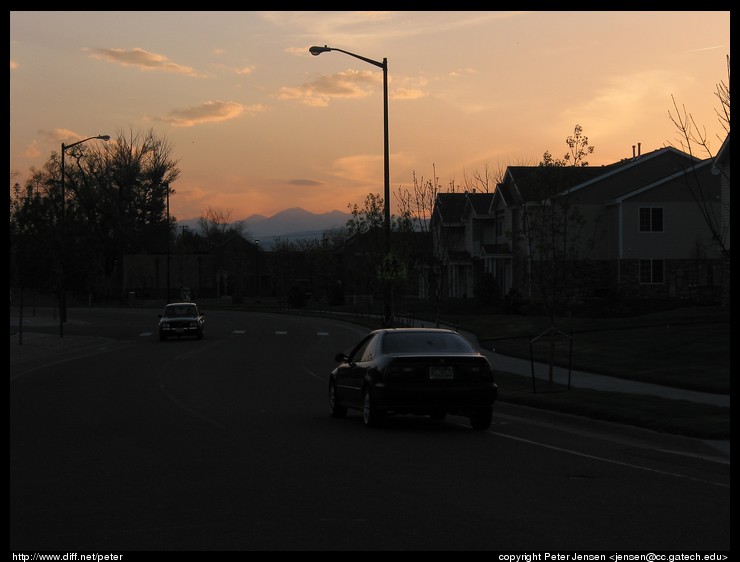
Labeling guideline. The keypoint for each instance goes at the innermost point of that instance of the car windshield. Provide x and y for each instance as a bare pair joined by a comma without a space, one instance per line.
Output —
180,310
425,342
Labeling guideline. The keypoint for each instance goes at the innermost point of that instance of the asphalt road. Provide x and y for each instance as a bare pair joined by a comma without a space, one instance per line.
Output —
127,443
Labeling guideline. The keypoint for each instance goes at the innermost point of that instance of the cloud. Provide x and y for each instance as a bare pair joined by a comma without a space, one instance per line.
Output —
60,135
209,112
306,183
347,84
142,60
458,72
32,150
243,70
408,94
359,169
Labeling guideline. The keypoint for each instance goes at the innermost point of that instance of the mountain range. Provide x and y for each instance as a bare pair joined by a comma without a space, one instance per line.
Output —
289,225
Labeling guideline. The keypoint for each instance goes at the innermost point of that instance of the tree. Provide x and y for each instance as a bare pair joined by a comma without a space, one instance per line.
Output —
694,140
485,181
419,205
233,254
380,273
554,227
115,203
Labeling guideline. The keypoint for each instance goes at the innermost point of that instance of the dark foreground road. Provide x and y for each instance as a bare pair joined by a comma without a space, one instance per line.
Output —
226,444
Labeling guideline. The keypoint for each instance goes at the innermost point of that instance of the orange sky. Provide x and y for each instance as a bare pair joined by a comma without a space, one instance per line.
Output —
259,125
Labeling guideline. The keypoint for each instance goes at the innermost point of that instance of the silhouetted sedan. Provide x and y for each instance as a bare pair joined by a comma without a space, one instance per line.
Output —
181,319
421,371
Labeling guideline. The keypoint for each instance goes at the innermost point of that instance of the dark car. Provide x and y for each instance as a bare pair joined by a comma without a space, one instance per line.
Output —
181,319
420,371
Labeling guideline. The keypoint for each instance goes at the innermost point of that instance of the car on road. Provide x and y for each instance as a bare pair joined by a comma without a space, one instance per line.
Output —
181,319
413,371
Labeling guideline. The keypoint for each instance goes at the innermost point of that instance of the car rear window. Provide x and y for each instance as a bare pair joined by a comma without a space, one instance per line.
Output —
180,311
425,342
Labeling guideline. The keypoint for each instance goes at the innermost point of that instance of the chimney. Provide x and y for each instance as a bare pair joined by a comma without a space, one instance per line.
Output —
633,151
638,148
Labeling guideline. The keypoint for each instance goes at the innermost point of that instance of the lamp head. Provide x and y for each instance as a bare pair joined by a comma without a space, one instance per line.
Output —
315,51
104,137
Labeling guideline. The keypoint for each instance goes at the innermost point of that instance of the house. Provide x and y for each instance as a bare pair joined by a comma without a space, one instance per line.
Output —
633,227
460,225
721,168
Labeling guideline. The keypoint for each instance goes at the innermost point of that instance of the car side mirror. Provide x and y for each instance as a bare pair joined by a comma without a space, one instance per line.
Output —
341,357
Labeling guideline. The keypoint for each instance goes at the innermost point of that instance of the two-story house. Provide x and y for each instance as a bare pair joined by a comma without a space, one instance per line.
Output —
460,226
633,226
721,168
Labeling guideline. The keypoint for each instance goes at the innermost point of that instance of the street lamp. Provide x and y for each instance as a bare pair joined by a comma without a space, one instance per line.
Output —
167,187
315,51
257,270
62,281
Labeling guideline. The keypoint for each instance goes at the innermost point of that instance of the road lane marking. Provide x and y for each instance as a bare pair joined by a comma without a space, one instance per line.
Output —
603,459
314,375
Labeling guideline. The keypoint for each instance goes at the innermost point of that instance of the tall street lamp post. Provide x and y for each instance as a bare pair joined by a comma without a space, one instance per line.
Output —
62,279
257,270
387,187
167,187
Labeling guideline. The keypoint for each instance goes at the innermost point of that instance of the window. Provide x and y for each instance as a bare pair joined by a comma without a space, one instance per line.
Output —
425,342
651,272
363,352
500,217
651,219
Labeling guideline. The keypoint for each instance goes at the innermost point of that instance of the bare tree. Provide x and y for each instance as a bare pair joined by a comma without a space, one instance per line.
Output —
484,181
694,140
420,204
554,226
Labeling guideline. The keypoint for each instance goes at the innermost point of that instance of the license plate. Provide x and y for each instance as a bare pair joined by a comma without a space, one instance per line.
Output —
440,373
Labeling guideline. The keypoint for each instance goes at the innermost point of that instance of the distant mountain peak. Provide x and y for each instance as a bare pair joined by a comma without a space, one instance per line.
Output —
288,224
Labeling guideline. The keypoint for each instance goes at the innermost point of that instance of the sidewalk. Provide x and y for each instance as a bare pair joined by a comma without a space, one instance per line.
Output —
581,379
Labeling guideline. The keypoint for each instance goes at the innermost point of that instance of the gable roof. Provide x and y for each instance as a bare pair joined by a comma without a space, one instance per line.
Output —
641,170
522,184
690,171
722,155
480,203
449,207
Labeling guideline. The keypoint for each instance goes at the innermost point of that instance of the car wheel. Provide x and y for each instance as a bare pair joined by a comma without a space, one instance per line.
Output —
371,416
482,418
200,334
336,410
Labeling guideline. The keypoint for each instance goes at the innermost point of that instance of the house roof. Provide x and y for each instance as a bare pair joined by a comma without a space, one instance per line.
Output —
630,174
722,155
534,183
690,172
449,207
524,184
480,203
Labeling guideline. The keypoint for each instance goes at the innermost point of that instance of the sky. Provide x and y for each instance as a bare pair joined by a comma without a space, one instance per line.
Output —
258,125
